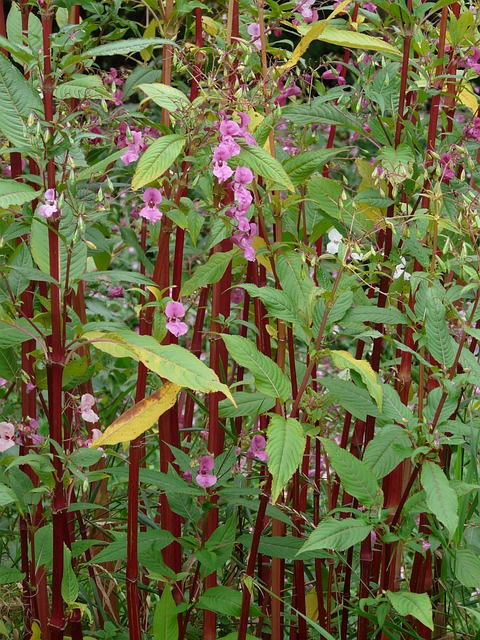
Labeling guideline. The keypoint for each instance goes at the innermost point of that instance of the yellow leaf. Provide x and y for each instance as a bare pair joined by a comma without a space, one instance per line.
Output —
311,605
468,98
210,26
140,417
36,631
355,40
370,212
311,35
148,33
259,243
345,360
255,119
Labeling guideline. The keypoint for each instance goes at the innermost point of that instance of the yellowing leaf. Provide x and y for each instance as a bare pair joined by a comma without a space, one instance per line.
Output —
345,360
210,26
311,605
312,34
259,243
355,40
255,119
148,33
140,417
468,98
36,631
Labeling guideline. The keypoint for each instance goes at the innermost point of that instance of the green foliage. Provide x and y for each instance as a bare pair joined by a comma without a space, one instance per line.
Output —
285,448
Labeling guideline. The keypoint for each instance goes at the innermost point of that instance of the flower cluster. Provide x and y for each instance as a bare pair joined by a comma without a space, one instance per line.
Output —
205,476
132,141
86,403
473,130
304,7
7,432
50,207
472,61
226,149
151,198
174,311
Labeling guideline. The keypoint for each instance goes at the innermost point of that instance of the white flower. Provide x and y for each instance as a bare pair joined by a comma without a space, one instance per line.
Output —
400,270
335,238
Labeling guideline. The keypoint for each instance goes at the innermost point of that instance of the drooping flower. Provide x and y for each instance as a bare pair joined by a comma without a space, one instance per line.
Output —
86,403
253,31
205,478
151,197
50,207
7,433
245,242
175,310
134,147
334,75
305,9
115,292
243,175
400,270
335,238
257,448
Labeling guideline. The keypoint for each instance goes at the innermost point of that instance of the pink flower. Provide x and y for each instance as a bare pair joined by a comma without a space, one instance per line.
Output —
174,311
334,75
114,77
305,8
245,240
3,382
253,31
86,403
134,147
47,210
205,478
187,476
425,545
151,197
115,292
7,432
243,175
222,171
257,448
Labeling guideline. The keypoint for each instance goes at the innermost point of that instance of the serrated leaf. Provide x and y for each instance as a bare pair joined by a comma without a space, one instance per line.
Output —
269,378
165,96
69,586
375,315
159,157
100,167
165,619
318,113
139,418
356,477
337,535
381,454
440,343
277,302
417,605
11,335
81,87
172,362
210,272
441,498
374,198
355,400
285,447
223,600
301,166
18,51
467,568
265,165
15,193
9,363
117,550
345,360
296,282
125,47
7,495
17,100
247,404
355,40
33,37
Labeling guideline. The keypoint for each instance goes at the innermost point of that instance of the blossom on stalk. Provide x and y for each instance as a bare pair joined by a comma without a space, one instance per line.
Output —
174,311
151,197
335,238
400,270
50,207
7,433
205,477
134,147
253,31
245,242
86,403
257,448
304,7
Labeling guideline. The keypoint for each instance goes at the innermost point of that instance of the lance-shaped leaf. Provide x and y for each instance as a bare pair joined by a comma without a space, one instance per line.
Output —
439,341
337,535
345,360
159,157
441,498
355,40
139,418
125,47
165,96
13,192
356,477
285,448
171,362
269,378
210,272
165,620
417,605
265,165
387,449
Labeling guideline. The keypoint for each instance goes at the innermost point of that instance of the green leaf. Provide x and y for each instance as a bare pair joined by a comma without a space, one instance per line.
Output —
10,365
375,315
318,113
337,535
382,454
355,400
417,605
165,96
374,198
33,39
44,547
117,550
7,496
165,619
356,477
10,335
296,282
18,99
171,362
159,157
440,343
210,272
301,166
100,167
248,404
441,498
69,580
223,600
15,193
10,575
269,378
467,568
285,447
81,87
18,51
265,165
345,360
125,47
355,40
277,303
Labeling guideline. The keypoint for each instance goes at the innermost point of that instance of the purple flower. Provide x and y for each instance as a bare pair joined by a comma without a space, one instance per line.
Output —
257,448
425,545
253,31
7,432
134,147
245,240
334,75
151,197
3,382
243,197
229,128
86,403
115,292
114,77
175,310
187,476
205,478
473,130
369,6
222,171
47,210
243,175
305,8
